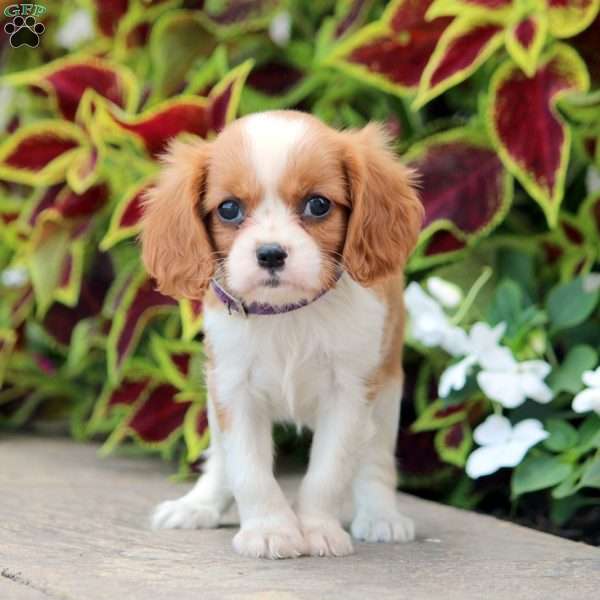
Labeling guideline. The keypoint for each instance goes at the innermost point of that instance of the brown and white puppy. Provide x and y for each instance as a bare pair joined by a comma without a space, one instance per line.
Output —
295,236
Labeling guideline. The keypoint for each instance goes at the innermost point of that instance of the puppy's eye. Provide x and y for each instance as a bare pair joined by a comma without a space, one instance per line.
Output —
316,207
231,211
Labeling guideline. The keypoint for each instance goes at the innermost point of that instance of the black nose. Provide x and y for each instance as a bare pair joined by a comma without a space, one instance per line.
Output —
271,256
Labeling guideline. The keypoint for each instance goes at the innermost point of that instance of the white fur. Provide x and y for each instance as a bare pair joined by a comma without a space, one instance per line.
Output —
309,367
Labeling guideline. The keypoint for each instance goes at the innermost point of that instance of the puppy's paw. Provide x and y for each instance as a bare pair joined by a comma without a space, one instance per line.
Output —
325,537
185,514
269,539
379,528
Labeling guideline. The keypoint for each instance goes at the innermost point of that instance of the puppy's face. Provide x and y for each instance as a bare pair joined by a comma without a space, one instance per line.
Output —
275,206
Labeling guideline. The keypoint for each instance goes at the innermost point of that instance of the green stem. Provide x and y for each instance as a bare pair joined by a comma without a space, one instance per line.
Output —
472,295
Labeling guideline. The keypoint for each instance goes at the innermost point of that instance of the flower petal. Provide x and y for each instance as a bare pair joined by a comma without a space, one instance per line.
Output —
484,461
502,386
535,388
529,431
446,293
455,376
587,400
591,378
493,431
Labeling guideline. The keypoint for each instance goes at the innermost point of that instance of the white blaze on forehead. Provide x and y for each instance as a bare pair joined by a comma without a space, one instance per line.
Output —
271,138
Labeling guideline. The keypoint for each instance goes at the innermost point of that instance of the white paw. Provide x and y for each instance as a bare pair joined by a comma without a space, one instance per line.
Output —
185,514
325,537
269,539
374,528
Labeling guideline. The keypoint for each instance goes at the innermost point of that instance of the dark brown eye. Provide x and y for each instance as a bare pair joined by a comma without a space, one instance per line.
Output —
316,207
231,211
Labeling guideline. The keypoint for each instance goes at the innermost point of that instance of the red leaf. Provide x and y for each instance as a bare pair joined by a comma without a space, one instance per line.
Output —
133,211
35,152
109,13
136,303
72,205
67,80
47,200
465,189
394,51
274,78
463,51
159,416
128,392
442,242
534,143
525,31
157,127
186,114
401,62
233,12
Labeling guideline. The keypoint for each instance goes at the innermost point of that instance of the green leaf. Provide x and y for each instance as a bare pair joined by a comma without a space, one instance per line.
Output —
569,304
591,473
454,443
539,472
562,435
439,415
507,305
567,378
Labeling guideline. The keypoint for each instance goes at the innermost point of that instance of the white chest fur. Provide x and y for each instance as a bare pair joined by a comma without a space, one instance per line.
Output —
290,363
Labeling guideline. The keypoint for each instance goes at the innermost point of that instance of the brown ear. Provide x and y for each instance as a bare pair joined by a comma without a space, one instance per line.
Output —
176,249
386,214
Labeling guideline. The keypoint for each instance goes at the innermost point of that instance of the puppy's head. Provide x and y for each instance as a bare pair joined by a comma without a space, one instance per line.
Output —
275,206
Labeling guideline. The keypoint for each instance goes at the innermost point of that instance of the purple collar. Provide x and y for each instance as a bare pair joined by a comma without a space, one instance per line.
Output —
260,308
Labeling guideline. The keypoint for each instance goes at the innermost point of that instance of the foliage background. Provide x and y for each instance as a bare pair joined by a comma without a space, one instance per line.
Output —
495,102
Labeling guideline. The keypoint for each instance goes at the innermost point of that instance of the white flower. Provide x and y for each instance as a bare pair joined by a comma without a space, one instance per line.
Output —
513,384
78,28
455,376
446,293
429,323
502,445
483,349
280,28
14,277
589,399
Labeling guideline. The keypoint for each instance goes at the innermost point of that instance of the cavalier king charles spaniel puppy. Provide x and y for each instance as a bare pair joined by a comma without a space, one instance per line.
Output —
294,236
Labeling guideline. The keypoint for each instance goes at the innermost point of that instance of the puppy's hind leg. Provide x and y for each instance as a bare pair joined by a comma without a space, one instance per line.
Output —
203,505
376,515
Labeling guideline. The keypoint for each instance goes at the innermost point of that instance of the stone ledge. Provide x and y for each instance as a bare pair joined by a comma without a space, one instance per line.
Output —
74,527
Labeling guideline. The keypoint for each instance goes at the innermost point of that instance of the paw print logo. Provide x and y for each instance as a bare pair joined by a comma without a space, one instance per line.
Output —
24,31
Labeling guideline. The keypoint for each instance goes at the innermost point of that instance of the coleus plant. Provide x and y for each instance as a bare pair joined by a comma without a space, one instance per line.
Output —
494,102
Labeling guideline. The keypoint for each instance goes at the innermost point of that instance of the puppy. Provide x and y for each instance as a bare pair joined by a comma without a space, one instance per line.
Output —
295,236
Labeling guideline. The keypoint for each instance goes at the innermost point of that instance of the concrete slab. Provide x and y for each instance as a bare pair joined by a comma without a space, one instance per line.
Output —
74,527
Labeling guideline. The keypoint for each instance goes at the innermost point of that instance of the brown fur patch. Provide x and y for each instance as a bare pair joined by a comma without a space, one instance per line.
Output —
386,213
391,291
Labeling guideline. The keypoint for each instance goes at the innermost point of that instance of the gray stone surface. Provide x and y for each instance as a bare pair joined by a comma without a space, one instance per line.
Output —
74,527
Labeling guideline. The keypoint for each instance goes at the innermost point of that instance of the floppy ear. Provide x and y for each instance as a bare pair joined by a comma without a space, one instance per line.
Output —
386,214
176,249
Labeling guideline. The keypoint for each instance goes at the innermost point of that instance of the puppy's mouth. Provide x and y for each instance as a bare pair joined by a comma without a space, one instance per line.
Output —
271,282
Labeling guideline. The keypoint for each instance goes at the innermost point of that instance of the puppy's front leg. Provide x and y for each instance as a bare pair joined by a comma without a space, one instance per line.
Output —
343,424
269,527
